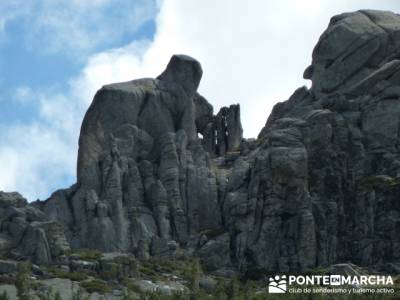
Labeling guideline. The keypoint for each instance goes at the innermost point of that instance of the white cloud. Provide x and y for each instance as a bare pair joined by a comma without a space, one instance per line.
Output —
75,27
252,54
112,66
38,158
34,159
22,95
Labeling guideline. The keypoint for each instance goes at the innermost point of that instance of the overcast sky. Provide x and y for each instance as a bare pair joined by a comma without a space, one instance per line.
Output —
56,53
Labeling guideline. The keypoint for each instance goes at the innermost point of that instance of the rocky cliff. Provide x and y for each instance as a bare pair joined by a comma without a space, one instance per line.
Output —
159,173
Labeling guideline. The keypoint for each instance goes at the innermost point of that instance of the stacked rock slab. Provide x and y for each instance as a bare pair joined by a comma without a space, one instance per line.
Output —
319,186
26,233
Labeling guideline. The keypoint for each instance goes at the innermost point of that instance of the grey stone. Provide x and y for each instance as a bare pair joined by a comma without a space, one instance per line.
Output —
229,132
204,113
184,71
352,45
12,199
163,247
27,233
65,287
165,288
121,264
8,266
215,253
83,265
225,273
207,283
131,188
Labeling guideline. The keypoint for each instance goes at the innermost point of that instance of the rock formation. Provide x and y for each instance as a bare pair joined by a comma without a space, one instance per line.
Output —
158,172
143,175
332,151
26,233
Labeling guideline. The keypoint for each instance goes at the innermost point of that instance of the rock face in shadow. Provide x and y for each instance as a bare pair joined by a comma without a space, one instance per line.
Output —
159,173
222,133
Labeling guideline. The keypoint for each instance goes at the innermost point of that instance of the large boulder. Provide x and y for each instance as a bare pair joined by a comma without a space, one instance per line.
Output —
353,46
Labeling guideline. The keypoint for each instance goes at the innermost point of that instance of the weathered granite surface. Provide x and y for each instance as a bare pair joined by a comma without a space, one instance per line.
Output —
26,233
159,173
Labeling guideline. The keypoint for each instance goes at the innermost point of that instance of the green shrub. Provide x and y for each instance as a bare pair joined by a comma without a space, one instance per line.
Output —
113,273
123,260
194,275
147,271
168,264
23,281
154,268
317,271
371,182
131,286
88,254
128,296
174,296
57,296
73,276
96,285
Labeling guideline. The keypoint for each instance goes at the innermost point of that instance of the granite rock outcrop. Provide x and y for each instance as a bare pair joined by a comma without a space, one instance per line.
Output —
27,234
158,173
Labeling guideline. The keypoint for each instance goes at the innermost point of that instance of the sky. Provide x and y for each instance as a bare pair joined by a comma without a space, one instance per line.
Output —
55,54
